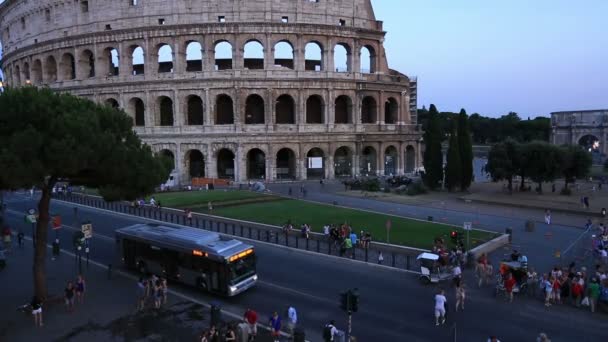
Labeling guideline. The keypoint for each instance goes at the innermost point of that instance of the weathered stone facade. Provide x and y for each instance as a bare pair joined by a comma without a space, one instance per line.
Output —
236,116
581,127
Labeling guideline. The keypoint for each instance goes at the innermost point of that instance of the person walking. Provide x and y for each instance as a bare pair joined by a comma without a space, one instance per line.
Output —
69,297
165,290
548,216
80,289
275,326
20,237
593,291
141,294
460,296
158,293
330,331
380,258
440,302
36,304
251,318
292,319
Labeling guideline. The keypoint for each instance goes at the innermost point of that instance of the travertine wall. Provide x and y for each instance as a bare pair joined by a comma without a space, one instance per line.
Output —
362,121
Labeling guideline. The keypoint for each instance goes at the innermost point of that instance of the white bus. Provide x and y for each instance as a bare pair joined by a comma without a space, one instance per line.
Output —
189,255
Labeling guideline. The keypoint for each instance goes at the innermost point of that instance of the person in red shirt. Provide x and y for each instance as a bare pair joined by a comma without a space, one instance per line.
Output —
509,285
557,284
577,292
251,318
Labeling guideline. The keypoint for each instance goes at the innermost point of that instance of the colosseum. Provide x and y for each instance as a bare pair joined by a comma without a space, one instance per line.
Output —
235,89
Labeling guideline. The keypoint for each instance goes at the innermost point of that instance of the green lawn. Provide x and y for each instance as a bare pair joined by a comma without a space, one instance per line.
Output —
185,199
404,231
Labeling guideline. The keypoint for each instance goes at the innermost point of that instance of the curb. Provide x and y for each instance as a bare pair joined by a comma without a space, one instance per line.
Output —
536,207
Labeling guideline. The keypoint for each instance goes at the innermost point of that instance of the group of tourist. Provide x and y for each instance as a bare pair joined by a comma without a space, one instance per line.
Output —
152,290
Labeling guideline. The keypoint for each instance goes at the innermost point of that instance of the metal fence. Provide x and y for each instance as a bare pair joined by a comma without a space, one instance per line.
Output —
580,251
387,255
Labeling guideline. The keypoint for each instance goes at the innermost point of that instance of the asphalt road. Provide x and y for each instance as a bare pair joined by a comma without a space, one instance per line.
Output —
394,306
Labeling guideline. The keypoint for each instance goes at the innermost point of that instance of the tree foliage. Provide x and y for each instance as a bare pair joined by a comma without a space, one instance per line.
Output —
433,157
576,163
465,147
504,161
47,137
543,162
453,168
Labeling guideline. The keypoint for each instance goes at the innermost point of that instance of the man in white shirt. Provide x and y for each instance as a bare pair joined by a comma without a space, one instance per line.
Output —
457,273
330,331
292,319
440,301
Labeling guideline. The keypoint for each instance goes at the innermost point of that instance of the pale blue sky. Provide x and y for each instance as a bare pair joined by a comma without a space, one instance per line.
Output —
491,57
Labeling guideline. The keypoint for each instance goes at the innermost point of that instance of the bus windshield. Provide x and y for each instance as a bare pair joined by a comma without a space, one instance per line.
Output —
242,268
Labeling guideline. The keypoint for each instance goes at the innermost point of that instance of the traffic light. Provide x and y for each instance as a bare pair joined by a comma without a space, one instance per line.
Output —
344,300
354,300
454,236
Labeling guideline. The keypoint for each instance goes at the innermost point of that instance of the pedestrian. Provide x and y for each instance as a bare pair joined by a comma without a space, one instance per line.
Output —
69,297
457,273
141,294
158,293
330,331
548,216
292,319
380,258
275,326
586,202
20,238
80,288
189,215
210,206
509,285
493,339
165,290
440,302
460,296
593,291
557,290
251,318
326,232
542,337
576,292
36,304
548,287
230,335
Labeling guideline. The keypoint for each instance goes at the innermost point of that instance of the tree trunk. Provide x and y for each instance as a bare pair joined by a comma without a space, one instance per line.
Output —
522,186
40,248
510,180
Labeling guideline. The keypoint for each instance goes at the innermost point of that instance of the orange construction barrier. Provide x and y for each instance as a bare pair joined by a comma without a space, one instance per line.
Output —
207,181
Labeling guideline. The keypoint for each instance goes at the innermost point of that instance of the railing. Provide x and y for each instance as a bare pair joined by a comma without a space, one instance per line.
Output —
392,256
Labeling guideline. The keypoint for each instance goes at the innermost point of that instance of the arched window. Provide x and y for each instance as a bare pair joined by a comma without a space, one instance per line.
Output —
314,110
390,161
283,54
224,110
138,60
254,110
168,154
50,70
223,56
196,163
342,58
253,55
368,162
110,61
368,59
138,110
313,55
194,56
286,164
165,58
343,110
166,111
68,67
256,164
391,111
37,72
368,110
343,159
86,64
285,110
195,110
112,103
225,164
17,75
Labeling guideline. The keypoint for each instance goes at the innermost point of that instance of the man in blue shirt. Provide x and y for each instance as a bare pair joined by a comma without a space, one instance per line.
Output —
275,326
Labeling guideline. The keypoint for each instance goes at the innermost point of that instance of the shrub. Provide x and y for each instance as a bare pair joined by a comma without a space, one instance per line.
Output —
566,191
416,188
370,184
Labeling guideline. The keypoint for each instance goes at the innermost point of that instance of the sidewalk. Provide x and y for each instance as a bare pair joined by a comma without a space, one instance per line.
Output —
108,312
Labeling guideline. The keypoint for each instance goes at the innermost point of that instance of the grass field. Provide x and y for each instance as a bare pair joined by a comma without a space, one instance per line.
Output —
186,199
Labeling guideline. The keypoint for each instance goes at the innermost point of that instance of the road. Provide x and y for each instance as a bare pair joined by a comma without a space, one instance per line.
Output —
394,306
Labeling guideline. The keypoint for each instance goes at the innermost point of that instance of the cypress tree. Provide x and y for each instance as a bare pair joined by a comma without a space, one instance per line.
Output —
465,147
453,168
433,158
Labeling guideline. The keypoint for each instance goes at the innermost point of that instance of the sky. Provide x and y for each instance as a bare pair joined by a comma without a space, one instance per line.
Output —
493,57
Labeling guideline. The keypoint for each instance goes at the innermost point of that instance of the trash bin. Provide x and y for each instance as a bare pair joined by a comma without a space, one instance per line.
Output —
510,232
216,313
299,335
530,225
430,218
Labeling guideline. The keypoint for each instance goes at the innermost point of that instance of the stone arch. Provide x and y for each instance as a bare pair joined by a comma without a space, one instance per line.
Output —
343,162
165,111
169,154
391,111
315,112
285,110
138,110
253,55
343,110
342,57
194,162
194,110
225,164
111,61
391,161
165,58
138,60
368,59
50,70
37,72
17,75
194,56
223,55
313,56
254,110
315,163
284,54
86,64
410,159
590,142
256,164
368,163
286,164
68,67
224,110
26,73
369,110
112,102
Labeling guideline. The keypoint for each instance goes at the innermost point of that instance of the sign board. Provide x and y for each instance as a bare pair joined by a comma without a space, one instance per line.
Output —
389,224
31,211
32,218
468,226
56,222
87,230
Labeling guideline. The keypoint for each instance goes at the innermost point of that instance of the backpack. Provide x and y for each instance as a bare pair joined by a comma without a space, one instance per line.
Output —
327,333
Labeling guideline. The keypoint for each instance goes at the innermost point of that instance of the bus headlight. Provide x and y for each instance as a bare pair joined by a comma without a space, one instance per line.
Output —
233,289
255,277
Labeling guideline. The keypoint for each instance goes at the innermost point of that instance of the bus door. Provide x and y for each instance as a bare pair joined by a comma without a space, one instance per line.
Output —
128,252
216,276
170,264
